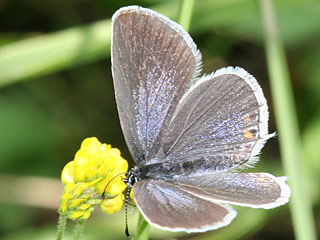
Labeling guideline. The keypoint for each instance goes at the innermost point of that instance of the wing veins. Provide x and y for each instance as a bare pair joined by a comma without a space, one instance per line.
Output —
186,129
161,85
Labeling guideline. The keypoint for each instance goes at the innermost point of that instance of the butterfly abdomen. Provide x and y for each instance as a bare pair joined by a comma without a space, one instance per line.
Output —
168,169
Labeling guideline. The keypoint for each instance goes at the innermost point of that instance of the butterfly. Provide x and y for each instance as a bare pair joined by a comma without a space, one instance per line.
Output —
188,135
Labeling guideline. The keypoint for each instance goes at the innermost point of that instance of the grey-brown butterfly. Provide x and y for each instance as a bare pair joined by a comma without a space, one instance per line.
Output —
188,135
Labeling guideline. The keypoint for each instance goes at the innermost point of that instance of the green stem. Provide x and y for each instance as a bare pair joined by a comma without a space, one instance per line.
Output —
54,51
62,222
78,229
186,13
143,229
300,203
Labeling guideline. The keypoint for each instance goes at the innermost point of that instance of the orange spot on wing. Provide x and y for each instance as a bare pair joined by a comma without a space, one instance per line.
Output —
248,134
262,179
246,119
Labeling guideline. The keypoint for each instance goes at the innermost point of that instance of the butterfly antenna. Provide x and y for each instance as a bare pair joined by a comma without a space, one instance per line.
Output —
126,210
105,188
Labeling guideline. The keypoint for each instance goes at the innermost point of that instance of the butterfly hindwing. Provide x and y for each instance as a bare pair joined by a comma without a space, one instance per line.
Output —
221,123
166,206
257,190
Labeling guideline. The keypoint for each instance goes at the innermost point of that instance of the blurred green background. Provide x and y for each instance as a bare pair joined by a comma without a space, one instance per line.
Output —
56,90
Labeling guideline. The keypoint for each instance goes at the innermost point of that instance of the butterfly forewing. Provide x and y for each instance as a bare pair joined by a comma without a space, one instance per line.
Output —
153,62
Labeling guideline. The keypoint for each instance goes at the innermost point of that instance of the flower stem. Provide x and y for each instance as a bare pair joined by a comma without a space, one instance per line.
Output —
143,229
78,229
62,222
186,13
300,203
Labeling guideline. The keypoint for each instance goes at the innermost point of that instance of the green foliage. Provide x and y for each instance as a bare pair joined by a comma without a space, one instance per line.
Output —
300,203
56,89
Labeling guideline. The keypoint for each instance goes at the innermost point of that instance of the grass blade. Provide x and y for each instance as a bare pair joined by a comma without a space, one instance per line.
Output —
300,204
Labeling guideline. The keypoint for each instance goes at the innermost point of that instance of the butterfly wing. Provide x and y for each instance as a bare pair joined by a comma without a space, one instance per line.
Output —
153,63
166,206
257,190
221,123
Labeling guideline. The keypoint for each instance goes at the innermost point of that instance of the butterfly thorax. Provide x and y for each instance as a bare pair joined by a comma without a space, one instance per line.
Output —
155,171
134,175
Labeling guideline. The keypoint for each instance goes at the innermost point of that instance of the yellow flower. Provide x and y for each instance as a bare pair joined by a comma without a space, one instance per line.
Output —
112,205
86,177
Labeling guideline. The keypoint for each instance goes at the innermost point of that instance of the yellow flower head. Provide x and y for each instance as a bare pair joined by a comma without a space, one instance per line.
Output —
86,177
